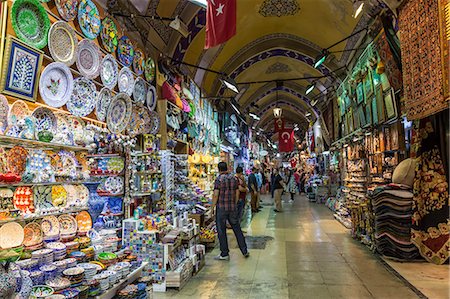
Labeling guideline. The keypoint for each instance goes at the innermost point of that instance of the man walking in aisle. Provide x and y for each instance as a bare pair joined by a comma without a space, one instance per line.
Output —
259,182
226,193
278,185
242,188
253,188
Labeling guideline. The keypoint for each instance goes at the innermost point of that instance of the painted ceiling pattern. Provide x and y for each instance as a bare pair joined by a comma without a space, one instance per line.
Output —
278,67
279,8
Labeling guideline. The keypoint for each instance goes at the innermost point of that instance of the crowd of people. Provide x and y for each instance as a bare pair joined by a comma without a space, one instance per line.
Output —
230,197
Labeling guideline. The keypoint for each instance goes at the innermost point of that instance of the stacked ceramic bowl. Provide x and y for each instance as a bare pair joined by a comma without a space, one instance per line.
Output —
79,256
70,293
49,271
94,287
72,246
126,268
113,277
28,264
84,242
75,275
89,270
90,253
59,250
43,256
37,277
60,266
107,258
71,262
118,269
103,281
58,283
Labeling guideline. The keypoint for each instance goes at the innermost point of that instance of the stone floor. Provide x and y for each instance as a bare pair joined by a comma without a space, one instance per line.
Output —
311,256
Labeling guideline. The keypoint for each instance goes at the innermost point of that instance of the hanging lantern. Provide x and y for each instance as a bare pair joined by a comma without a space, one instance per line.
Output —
277,112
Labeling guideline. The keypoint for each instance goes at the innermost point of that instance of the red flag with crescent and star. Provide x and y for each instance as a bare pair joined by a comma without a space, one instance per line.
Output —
286,141
220,22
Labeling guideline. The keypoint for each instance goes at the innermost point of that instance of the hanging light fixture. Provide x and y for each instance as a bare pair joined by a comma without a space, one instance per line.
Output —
320,59
230,83
310,88
277,112
358,6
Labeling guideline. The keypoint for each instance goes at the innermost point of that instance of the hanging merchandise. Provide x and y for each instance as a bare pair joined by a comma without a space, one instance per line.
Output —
109,71
126,81
89,19
139,91
149,70
67,9
151,98
125,51
56,84
103,101
109,35
63,43
119,113
84,97
88,59
139,62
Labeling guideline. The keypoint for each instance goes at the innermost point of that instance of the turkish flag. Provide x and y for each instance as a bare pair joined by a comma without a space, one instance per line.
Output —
286,141
220,22
279,124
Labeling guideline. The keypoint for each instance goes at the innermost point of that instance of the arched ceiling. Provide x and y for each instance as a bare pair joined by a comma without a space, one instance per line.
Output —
275,40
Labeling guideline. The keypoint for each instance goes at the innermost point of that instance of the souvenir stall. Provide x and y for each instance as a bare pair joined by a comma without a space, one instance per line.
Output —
75,92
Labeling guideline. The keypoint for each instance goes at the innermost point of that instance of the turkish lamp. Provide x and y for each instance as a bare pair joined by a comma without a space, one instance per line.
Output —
277,112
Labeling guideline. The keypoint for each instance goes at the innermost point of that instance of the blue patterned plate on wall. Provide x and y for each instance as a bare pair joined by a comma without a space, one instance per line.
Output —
126,81
88,59
84,97
67,9
56,84
151,98
119,113
89,19
45,120
125,51
139,91
109,71
103,102
4,108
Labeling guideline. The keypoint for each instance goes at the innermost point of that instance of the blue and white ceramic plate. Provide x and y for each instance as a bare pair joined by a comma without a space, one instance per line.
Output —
45,120
84,97
139,91
126,81
103,102
119,113
109,71
88,59
151,99
56,84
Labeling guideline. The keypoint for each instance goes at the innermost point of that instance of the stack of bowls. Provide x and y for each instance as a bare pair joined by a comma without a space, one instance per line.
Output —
118,269
103,281
75,275
43,256
94,287
107,258
49,271
72,246
84,242
58,283
126,268
70,293
59,250
28,264
90,253
79,256
37,277
113,277
89,270
60,266
71,262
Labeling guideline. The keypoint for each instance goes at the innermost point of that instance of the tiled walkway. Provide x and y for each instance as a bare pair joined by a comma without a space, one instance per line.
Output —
311,256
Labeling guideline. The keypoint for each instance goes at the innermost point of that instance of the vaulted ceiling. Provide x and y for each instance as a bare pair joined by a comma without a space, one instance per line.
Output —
275,40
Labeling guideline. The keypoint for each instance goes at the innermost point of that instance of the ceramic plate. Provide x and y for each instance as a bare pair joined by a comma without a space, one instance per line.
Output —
69,162
116,164
11,235
72,194
84,97
23,199
59,196
139,91
154,122
139,62
45,120
125,51
77,125
88,59
119,113
109,35
64,134
109,71
114,185
63,43
103,101
30,22
56,84
149,70
84,221
140,122
17,159
42,197
151,98
67,224
67,9
126,81
50,226
17,111
4,109
33,234
89,19
83,194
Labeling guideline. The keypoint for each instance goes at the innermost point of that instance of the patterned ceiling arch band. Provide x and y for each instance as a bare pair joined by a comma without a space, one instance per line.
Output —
197,23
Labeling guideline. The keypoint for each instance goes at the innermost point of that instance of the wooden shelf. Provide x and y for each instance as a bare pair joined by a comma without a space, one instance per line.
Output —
42,184
7,140
34,217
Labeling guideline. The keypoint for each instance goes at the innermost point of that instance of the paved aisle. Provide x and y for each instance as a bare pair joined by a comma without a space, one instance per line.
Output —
311,256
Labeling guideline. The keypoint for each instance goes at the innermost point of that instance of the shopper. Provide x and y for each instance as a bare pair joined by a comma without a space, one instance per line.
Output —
242,188
302,182
272,178
260,183
226,191
278,185
291,186
297,178
253,188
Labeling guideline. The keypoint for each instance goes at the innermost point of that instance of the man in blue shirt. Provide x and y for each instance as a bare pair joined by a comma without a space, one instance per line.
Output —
259,180
253,188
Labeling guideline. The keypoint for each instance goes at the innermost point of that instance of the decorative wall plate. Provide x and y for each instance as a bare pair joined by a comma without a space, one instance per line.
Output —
109,71
119,113
149,70
11,235
83,194
72,195
62,43
42,197
88,59
114,185
30,22
4,109
140,122
155,123
23,199
50,226
39,164
45,120
67,9
56,84
103,101
116,164
152,98
125,51
109,35
17,111
139,62
64,134
89,19
69,162
17,159
84,222
59,196
33,234
126,81
67,224
84,97
77,125
139,91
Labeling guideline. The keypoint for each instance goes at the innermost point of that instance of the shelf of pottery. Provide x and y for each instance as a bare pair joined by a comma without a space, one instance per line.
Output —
202,171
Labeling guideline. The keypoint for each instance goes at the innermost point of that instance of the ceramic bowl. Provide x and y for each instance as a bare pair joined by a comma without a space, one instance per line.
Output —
41,291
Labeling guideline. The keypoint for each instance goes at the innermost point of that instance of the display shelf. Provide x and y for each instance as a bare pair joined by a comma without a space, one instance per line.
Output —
146,193
141,154
8,141
103,155
180,141
44,184
105,175
110,293
148,172
34,217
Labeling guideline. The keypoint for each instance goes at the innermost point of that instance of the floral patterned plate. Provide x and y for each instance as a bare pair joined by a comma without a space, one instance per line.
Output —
103,101
43,197
67,9
126,81
116,164
114,185
155,123
139,62
88,59
83,194
139,91
72,195
64,134
84,221
125,51
33,234
109,71
4,108
119,113
17,111
140,122
69,163
84,97
67,224
17,159
59,196
56,84
50,226
11,235
30,22
62,43
77,126
151,98
109,35
89,19
149,70
45,120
